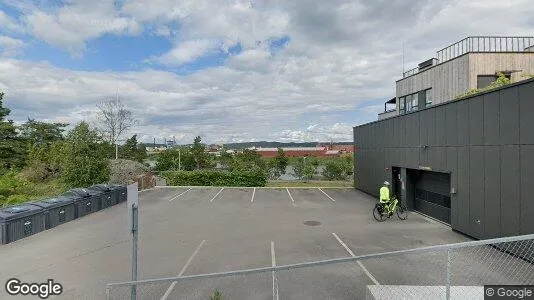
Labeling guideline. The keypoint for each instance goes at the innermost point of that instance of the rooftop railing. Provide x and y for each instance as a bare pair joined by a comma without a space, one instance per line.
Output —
482,44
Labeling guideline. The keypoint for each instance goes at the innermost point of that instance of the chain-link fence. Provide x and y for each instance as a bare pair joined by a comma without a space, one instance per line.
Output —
453,271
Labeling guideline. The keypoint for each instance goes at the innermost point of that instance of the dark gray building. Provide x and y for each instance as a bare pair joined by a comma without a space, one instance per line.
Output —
468,162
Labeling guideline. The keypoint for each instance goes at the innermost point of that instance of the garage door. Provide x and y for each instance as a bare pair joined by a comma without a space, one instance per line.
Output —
432,195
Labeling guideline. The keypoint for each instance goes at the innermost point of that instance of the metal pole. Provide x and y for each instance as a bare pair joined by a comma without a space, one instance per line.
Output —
448,280
116,150
179,159
134,251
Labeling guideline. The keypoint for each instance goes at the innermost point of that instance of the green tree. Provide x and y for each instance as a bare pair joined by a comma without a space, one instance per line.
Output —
12,150
310,168
249,160
335,169
36,132
198,150
305,167
86,160
175,159
281,161
132,150
225,159
273,170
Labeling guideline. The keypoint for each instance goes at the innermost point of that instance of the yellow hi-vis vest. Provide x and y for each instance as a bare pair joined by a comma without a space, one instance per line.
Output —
384,194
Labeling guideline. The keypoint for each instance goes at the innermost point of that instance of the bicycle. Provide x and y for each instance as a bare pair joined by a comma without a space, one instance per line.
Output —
381,211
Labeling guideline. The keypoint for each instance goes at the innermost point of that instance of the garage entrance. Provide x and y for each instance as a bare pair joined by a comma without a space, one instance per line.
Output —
432,194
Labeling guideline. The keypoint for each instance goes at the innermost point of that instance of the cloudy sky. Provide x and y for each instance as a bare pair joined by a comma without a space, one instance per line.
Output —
227,70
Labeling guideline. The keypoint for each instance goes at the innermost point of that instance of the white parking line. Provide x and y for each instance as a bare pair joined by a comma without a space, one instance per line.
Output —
253,193
292,200
275,279
173,284
327,195
174,198
373,279
216,195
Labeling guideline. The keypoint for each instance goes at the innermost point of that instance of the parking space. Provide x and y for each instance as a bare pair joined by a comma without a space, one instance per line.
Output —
197,230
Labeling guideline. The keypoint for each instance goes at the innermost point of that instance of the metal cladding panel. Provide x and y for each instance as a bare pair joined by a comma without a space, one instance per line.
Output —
476,121
382,135
491,119
452,165
492,186
451,159
402,128
355,137
462,119
410,130
451,137
476,192
424,156
441,125
364,137
390,129
463,189
509,117
398,132
510,190
440,158
374,135
526,113
412,157
431,125
416,137
527,181
423,128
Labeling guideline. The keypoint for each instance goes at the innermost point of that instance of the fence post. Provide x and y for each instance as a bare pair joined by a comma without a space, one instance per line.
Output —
448,279
133,295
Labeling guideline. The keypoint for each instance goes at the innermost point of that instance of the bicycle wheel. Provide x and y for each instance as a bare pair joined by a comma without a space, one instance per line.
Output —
378,213
402,212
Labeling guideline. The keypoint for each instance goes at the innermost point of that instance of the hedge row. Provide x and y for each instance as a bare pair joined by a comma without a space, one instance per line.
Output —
215,178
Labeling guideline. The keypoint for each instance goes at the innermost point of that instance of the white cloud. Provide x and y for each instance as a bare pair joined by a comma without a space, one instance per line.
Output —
72,25
186,52
7,23
341,57
10,46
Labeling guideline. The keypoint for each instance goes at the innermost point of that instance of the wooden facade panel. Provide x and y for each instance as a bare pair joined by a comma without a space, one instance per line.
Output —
446,80
490,63
454,77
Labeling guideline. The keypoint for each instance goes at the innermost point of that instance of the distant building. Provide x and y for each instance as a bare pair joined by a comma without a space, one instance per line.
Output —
320,151
471,63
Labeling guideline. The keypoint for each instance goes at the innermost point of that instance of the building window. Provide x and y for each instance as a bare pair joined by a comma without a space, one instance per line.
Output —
409,103
428,97
401,104
415,101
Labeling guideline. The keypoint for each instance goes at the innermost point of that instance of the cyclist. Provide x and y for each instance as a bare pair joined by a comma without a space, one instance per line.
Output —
384,195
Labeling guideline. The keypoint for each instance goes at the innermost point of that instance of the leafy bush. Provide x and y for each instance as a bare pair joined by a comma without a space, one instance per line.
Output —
9,184
500,81
216,296
334,170
15,189
215,178
86,160
305,167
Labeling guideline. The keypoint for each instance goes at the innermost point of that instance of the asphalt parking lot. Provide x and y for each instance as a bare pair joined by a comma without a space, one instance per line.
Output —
187,231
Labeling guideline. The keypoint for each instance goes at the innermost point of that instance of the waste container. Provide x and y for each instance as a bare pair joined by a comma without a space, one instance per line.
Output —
20,221
108,196
57,210
85,201
121,191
